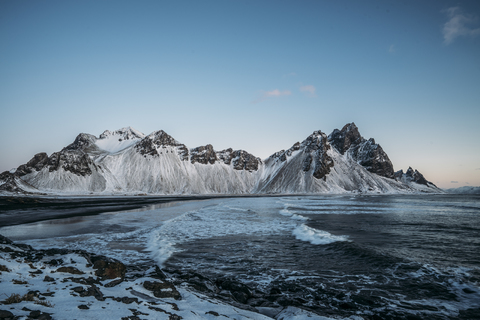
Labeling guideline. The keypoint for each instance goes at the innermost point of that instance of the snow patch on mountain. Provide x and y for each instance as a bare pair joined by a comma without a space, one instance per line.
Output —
119,139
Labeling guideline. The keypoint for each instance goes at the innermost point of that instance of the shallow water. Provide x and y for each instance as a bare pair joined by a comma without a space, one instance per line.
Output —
382,256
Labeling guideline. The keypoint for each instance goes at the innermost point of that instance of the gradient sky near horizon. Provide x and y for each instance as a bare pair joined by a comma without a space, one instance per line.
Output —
253,75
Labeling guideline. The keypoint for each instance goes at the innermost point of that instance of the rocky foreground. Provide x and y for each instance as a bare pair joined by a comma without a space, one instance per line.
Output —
74,284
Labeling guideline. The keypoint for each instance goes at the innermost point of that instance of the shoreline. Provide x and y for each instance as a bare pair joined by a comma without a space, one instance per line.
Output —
60,284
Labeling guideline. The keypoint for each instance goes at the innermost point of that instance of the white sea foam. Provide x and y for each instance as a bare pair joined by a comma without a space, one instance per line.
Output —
314,236
288,213
227,218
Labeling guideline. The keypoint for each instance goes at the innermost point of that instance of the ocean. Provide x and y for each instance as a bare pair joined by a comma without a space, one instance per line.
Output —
339,256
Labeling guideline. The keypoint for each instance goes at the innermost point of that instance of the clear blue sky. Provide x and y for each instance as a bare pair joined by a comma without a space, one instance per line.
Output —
253,75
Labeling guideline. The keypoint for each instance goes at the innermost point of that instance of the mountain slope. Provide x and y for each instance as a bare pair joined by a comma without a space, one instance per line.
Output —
127,161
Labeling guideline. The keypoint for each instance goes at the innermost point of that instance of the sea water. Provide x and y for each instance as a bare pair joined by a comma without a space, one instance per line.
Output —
385,256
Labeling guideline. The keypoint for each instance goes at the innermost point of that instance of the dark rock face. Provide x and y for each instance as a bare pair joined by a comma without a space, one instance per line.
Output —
343,139
8,182
71,270
203,154
82,142
243,160
413,175
75,161
149,145
416,176
366,152
108,268
240,159
73,158
371,156
37,163
316,146
162,289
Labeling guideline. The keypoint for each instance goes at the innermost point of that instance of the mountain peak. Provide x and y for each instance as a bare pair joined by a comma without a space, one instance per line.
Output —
343,139
125,133
158,139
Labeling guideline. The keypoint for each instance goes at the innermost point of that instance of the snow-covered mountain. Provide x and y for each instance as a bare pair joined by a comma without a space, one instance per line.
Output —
126,161
464,190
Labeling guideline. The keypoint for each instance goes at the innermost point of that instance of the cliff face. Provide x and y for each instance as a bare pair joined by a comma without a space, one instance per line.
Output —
365,152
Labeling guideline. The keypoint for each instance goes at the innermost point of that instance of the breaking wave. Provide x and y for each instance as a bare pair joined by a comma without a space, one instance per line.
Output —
314,236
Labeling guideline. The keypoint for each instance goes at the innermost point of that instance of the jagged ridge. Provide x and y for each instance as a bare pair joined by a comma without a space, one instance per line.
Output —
126,160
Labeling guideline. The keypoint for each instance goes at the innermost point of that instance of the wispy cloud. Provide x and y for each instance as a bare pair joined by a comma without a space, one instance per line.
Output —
309,89
459,25
391,49
453,181
270,94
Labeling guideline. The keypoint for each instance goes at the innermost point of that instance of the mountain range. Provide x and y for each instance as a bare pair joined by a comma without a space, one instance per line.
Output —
126,161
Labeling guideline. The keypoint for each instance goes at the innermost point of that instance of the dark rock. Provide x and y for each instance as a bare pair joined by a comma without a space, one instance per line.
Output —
213,313
83,142
48,294
91,291
158,274
413,176
109,270
200,285
83,307
162,289
71,270
5,240
314,148
113,283
126,300
241,297
372,157
37,163
35,314
36,272
398,174
75,161
225,156
416,176
12,183
54,262
286,301
203,155
149,145
365,152
343,139
4,268
240,159
5,314
77,289
239,291
85,281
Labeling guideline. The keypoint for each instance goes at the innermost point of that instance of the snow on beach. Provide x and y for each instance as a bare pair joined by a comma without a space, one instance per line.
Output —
66,284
